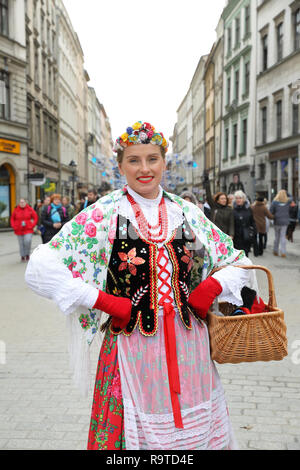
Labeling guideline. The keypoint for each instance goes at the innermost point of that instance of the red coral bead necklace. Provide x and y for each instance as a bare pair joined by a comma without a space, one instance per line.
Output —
145,227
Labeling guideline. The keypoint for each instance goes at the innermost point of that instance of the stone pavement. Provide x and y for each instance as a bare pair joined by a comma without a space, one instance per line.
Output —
41,408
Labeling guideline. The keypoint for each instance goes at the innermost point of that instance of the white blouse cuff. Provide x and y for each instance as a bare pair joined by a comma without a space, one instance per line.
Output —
48,277
232,281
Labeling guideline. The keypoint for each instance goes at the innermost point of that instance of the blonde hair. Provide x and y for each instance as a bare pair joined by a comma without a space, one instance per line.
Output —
281,196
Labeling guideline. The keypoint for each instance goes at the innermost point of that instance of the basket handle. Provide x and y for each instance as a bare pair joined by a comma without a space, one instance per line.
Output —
272,298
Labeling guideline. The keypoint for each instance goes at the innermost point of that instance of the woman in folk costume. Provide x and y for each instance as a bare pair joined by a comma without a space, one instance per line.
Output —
143,256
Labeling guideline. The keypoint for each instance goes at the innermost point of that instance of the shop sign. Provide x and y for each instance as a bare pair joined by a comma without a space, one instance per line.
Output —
9,146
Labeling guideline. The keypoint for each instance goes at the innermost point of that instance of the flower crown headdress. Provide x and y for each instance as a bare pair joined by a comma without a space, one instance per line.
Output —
140,133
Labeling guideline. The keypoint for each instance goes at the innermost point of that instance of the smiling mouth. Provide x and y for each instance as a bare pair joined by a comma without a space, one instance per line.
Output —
145,179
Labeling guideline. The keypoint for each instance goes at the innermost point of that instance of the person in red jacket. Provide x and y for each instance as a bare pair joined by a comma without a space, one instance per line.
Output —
23,220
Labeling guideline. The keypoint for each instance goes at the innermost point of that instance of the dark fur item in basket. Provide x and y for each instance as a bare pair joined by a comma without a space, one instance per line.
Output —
248,297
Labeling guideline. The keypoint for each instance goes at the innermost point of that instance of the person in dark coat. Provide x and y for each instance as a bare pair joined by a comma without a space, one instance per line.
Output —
92,197
293,213
221,212
236,184
244,225
53,217
260,212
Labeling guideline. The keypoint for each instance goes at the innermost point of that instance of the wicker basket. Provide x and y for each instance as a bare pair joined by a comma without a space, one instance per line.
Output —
248,338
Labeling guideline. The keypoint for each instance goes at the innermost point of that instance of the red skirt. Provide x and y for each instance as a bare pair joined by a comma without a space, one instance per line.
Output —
107,419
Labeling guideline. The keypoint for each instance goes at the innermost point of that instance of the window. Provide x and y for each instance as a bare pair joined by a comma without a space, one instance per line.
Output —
244,136
4,95
29,122
237,84
228,89
4,17
235,135
247,20
226,144
265,52
280,41
264,124
295,172
262,171
229,41
237,31
279,119
295,119
284,166
36,66
247,78
273,179
297,29
45,135
37,129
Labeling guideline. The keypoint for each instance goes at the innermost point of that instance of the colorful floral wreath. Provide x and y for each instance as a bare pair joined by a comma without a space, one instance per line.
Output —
140,133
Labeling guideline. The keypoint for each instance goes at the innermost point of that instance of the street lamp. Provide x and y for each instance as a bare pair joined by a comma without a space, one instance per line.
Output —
73,166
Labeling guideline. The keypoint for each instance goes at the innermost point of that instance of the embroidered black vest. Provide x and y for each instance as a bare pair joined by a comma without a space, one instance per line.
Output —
132,272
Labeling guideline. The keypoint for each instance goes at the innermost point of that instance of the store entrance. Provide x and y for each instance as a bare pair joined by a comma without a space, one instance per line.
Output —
7,194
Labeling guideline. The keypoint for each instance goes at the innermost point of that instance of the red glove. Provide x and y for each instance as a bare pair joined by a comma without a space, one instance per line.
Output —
203,296
258,306
118,307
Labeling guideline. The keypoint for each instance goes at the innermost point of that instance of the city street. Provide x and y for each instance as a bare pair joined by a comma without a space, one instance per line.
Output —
41,408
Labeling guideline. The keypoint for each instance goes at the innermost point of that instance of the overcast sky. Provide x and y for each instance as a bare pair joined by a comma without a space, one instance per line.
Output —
141,55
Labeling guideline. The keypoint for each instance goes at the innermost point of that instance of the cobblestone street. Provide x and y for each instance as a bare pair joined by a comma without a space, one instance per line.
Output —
41,408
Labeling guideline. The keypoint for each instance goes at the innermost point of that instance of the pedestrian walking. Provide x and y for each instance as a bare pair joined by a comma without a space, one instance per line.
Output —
156,386
91,198
260,213
244,225
221,213
189,196
53,217
293,214
23,220
68,206
280,209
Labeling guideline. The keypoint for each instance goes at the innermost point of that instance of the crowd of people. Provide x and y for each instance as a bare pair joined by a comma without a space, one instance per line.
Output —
46,218
248,223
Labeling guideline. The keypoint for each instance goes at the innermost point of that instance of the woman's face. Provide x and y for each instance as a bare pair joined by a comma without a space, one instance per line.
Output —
239,200
56,201
22,203
143,167
222,200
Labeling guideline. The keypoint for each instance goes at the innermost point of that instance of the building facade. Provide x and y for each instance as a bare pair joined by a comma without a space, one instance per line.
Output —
278,98
239,93
198,99
42,98
73,105
13,119
213,82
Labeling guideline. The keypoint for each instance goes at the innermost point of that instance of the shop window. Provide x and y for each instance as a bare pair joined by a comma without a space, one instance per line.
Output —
284,174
